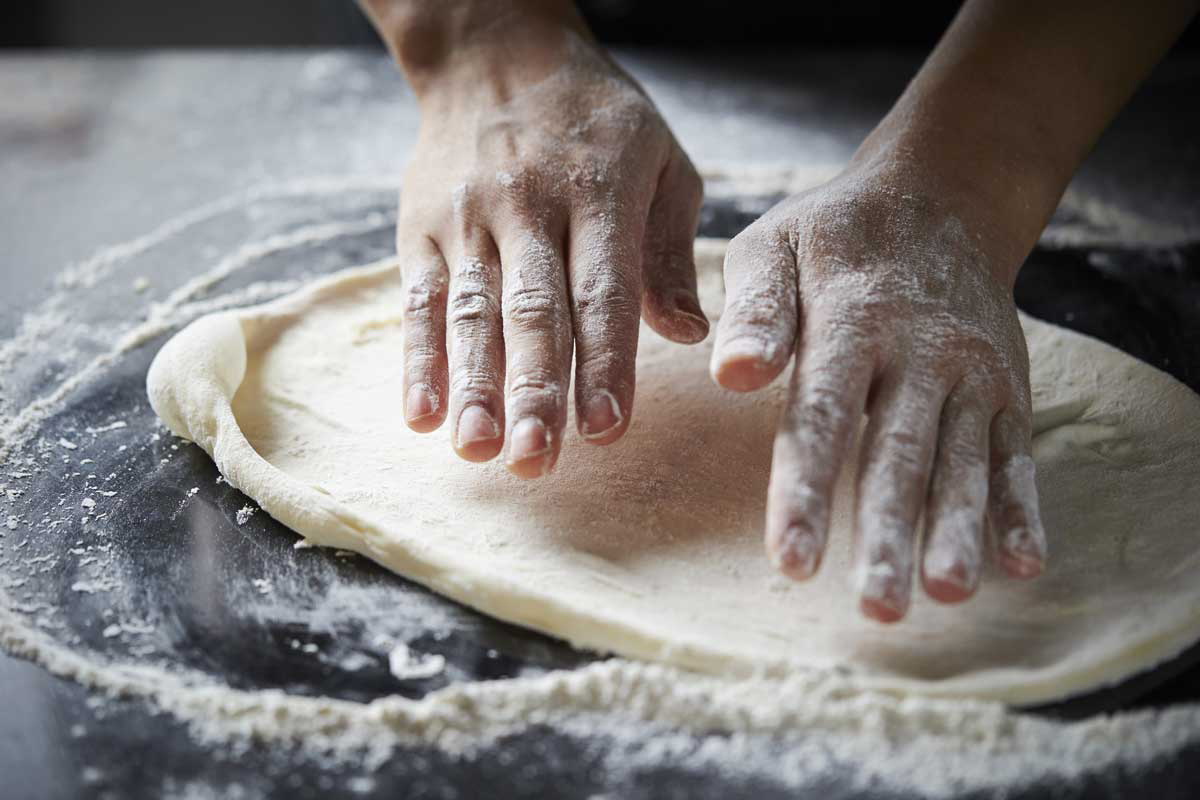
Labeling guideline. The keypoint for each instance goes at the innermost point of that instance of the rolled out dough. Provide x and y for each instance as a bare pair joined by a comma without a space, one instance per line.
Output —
651,548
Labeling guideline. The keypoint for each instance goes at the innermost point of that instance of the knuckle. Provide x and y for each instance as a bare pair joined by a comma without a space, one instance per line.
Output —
969,408
471,300
858,318
961,440
533,307
978,390
520,184
470,305
608,296
472,385
746,245
592,178
424,296
535,389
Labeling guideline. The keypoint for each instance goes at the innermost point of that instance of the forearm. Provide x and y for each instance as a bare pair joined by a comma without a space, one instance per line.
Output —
1014,97
466,41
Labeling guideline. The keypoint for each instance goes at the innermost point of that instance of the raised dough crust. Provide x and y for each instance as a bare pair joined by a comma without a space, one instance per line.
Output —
651,548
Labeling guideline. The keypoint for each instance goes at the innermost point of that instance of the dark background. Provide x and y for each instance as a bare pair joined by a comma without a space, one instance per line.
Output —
281,23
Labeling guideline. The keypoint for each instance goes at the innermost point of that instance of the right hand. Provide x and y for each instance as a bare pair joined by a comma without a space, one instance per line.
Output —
545,209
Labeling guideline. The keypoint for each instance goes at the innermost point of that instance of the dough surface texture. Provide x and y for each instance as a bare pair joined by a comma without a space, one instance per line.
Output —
652,548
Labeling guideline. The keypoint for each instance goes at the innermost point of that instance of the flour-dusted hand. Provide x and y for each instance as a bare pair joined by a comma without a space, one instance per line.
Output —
892,288
546,208
890,304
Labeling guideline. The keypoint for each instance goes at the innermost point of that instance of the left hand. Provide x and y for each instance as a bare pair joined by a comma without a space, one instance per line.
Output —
894,304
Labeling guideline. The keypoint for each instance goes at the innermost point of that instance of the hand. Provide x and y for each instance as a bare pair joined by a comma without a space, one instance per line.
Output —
895,304
546,207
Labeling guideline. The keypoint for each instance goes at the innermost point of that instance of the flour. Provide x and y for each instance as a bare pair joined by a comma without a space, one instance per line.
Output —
641,715
936,747
407,665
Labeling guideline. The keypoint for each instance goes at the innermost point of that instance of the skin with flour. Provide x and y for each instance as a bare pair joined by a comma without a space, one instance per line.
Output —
547,206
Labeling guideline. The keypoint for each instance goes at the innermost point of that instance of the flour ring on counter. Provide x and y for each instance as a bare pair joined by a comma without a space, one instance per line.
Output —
652,548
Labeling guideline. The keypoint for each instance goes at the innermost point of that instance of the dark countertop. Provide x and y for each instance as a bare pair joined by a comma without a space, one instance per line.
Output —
97,150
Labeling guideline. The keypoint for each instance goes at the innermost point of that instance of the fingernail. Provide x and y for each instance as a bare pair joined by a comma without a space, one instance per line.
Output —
1025,551
798,552
883,591
741,363
601,415
686,306
420,403
530,439
475,424
945,565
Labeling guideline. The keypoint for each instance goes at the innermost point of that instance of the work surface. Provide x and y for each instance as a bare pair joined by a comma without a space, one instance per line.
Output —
261,170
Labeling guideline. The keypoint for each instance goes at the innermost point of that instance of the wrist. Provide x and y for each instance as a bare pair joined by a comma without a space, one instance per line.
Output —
1001,185
475,44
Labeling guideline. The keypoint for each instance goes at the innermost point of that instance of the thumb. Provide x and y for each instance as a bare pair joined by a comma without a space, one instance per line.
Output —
758,328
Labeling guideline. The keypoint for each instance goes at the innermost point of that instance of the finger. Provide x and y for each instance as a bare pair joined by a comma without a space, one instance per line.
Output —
670,304
475,347
1012,499
953,549
537,346
606,297
424,324
897,452
758,327
824,408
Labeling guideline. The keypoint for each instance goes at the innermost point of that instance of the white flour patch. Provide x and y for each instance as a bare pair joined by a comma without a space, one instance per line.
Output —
112,426
407,665
794,729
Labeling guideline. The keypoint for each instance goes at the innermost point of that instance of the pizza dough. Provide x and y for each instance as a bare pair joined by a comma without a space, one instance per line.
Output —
651,548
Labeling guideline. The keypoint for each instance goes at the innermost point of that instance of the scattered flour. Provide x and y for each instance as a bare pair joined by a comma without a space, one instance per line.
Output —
112,426
817,720
407,665
244,514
